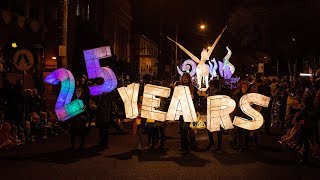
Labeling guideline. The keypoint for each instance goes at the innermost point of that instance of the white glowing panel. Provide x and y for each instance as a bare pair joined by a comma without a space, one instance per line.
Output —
129,96
305,75
182,104
150,102
257,118
218,109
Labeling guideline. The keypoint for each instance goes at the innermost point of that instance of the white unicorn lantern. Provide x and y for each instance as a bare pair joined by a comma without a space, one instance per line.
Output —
202,69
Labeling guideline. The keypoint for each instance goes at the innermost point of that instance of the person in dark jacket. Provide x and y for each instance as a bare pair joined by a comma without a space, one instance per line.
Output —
105,109
241,134
186,132
307,117
215,89
78,123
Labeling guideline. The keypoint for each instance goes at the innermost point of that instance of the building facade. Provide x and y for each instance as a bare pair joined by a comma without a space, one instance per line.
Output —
30,25
148,55
94,23
57,32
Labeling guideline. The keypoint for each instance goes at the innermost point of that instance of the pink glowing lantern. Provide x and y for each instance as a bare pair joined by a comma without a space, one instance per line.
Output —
64,108
92,57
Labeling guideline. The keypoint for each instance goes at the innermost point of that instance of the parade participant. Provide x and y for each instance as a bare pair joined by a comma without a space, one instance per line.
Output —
215,89
254,133
138,125
242,135
104,117
184,126
152,134
78,123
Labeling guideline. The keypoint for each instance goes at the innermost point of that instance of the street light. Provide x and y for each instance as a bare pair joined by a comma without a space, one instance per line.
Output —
14,44
202,27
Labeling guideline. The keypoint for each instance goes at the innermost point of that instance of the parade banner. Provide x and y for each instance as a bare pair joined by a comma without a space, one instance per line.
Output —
218,107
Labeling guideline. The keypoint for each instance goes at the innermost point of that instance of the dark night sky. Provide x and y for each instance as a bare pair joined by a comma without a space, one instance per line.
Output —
296,20
149,14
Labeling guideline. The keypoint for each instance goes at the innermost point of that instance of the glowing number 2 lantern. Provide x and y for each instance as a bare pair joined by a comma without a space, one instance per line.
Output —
94,70
64,108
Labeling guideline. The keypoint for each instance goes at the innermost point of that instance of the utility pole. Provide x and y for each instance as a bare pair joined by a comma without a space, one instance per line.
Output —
176,54
277,67
63,27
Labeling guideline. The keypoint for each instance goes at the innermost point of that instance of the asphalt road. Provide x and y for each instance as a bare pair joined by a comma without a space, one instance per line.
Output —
52,160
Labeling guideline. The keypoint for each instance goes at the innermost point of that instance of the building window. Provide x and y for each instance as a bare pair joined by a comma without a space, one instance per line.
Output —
78,9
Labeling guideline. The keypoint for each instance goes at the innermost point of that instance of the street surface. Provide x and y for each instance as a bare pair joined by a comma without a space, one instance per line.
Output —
53,160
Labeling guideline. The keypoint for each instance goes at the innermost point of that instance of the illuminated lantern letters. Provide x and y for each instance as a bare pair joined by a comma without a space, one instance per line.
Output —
257,118
218,109
182,104
129,96
94,70
64,108
150,102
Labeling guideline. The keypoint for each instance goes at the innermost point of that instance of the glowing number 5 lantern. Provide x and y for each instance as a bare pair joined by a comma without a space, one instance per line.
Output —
94,70
64,108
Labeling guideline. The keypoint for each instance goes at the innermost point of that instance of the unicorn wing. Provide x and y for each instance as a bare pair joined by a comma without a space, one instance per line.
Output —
215,43
193,57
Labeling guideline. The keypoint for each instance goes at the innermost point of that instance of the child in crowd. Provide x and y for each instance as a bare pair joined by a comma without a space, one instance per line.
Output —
35,126
53,125
27,131
6,140
15,132
44,125
291,139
